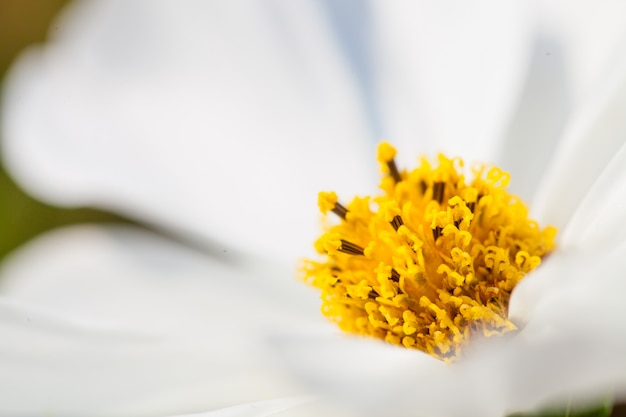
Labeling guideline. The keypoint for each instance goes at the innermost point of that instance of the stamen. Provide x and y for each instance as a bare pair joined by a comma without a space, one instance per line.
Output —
393,170
437,232
350,248
386,155
396,222
423,186
395,277
438,189
340,210
327,201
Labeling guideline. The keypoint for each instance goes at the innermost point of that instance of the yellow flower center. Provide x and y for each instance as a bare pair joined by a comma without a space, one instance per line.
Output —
434,265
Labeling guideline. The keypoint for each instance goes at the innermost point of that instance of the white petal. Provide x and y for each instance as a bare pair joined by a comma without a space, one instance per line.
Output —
449,75
50,367
122,276
367,375
591,35
595,230
496,377
119,322
283,407
578,296
573,287
221,120
576,46
596,132
599,221
257,409
528,145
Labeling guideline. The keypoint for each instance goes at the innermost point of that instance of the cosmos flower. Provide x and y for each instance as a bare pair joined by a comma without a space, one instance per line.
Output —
218,123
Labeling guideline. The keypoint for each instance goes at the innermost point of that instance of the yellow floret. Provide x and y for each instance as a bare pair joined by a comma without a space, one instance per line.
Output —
430,262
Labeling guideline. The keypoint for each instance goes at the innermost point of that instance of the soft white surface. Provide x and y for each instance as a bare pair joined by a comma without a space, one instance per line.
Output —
222,120
592,139
501,376
257,409
450,73
600,219
591,34
120,322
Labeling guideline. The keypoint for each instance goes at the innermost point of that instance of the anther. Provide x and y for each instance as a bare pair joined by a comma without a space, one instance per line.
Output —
395,276
437,232
386,154
340,210
350,248
438,189
396,222
373,294
423,186
327,201
393,170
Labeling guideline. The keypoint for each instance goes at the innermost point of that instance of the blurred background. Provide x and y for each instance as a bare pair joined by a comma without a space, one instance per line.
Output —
23,23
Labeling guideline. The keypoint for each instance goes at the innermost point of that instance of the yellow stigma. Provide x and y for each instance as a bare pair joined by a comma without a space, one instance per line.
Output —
435,263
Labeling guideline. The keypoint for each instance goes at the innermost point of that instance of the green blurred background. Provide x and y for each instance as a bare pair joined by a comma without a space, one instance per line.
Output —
24,23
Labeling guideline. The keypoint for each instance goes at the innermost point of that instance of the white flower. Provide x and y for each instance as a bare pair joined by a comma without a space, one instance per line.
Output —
219,122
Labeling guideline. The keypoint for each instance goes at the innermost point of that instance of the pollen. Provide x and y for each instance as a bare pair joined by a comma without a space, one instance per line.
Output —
430,262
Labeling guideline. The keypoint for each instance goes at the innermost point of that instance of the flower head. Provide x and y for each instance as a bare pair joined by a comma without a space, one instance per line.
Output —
218,123
435,263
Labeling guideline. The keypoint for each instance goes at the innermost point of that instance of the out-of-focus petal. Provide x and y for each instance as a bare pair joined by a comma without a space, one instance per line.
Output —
545,364
595,134
576,47
577,290
256,409
580,295
591,36
123,276
220,120
532,135
119,322
599,221
449,75
367,375
50,367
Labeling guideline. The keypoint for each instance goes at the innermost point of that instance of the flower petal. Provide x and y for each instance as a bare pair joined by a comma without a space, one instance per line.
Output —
495,377
218,120
591,36
256,409
123,276
119,322
449,75
364,374
600,219
579,296
574,287
528,145
596,132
